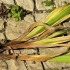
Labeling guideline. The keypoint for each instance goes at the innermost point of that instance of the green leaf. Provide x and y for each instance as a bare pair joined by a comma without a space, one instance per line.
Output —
17,19
15,15
13,11
9,15
63,58
18,14
16,7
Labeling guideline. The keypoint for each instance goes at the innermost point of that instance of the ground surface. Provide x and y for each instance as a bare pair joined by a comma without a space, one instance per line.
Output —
9,30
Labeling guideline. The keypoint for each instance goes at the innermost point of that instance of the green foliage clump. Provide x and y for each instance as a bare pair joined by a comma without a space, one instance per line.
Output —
16,12
49,2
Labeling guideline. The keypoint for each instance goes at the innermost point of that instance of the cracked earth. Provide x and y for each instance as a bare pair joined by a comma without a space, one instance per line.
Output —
9,30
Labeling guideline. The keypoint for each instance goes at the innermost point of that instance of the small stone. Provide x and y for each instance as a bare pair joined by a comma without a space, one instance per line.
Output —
15,29
1,24
2,38
40,17
32,65
26,4
29,18
8,1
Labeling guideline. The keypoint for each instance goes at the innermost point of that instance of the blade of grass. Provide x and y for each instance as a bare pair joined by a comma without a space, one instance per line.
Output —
53,17
57,33
31,28
61,20
65,10
30,45
41,57
53,40
50,31
63,58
